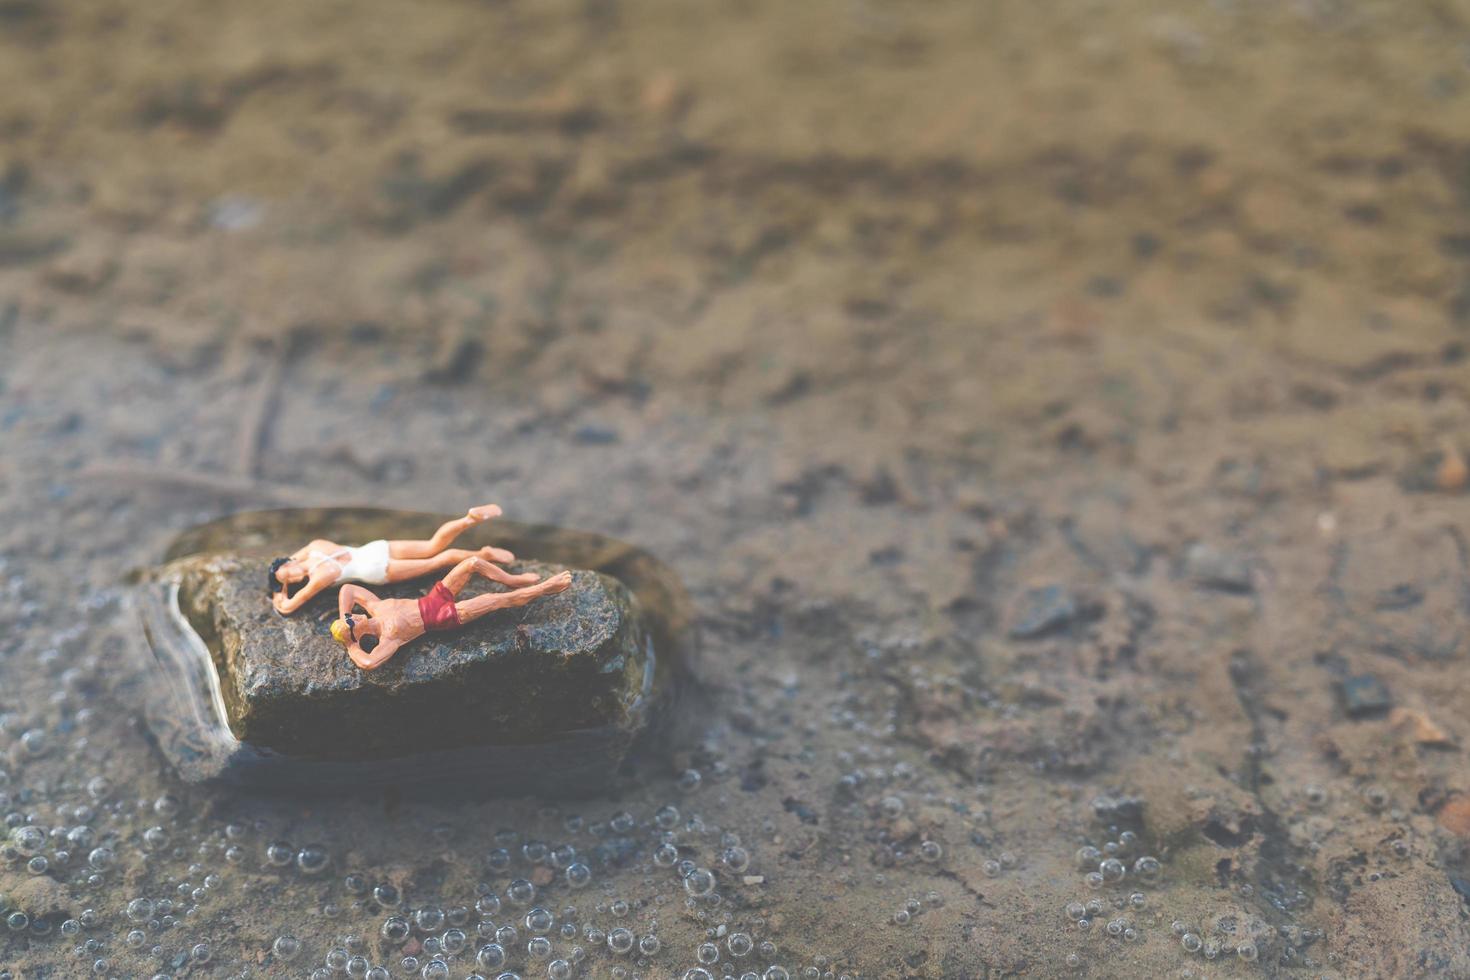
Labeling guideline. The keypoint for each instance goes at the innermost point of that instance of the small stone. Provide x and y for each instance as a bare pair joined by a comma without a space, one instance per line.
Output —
595,435
83,270
1454,816
1120,811
36,895
1365,696
1224,571
1419,726
1040,611
1453,473
753,880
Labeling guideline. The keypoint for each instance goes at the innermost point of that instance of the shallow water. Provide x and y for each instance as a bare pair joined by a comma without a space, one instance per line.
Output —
1054,414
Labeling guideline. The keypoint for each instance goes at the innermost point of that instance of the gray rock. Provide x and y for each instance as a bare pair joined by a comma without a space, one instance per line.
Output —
1225,571
1045,610
1365,696
566,663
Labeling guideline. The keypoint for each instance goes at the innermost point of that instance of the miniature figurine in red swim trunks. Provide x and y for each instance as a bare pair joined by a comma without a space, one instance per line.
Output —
370,640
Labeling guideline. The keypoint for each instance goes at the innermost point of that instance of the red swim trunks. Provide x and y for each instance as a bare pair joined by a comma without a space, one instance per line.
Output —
437,609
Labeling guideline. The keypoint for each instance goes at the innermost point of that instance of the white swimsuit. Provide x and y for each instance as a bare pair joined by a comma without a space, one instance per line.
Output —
368,564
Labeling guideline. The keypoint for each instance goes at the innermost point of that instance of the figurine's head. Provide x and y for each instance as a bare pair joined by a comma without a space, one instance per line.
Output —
284,572
362,630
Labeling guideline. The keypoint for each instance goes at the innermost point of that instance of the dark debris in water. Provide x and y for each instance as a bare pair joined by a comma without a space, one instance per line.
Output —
1365,696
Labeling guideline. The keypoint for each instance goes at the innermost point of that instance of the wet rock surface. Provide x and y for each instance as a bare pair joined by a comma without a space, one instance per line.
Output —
577,660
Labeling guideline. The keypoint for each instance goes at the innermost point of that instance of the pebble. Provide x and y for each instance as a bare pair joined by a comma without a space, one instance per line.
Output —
1223,571
1420,727
1365,696
1040,611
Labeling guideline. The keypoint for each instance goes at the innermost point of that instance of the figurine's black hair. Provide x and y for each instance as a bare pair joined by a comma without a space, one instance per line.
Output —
367,643
273,584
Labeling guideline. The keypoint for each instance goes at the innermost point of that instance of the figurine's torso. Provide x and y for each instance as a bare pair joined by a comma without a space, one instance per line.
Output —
400,618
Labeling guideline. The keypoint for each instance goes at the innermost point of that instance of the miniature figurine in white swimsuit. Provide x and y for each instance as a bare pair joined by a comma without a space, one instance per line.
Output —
321,564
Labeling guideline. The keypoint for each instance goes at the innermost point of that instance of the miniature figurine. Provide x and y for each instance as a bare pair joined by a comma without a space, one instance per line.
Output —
321,564
390,623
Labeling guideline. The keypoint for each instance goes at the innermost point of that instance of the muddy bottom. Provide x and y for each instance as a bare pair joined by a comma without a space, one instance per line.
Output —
1058,418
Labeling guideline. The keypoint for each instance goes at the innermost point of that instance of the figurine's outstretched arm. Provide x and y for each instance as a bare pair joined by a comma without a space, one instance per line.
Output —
286,606
460,574
353,595
370,661
446,534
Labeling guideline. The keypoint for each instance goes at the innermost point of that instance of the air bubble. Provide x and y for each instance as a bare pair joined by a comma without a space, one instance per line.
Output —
699,882
28,840
312,860
1148,868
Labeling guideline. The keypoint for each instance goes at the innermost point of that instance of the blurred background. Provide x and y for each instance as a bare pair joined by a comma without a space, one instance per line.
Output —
876,322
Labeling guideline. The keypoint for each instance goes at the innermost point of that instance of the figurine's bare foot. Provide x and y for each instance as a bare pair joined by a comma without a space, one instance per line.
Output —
498,555
559,582
479,515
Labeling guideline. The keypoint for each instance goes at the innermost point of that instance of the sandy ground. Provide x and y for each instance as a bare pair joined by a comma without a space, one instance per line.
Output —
1059,418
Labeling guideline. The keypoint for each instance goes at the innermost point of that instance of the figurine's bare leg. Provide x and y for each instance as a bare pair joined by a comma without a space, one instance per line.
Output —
476,565
403,569
445,536
472,609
